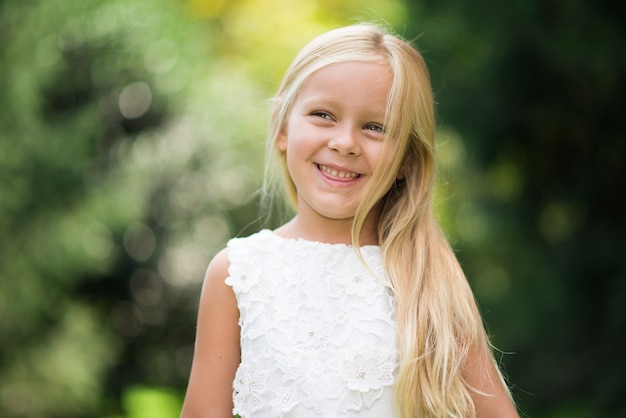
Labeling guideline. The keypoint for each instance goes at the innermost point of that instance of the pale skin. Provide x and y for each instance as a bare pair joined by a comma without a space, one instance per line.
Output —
332,141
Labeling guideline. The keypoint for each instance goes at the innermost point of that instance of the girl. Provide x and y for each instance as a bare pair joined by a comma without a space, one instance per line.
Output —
356,307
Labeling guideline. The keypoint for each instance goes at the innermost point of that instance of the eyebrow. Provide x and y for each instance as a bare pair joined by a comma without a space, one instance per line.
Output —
329,100
320,99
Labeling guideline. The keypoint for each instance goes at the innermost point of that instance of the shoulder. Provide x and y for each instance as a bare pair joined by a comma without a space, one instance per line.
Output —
218,267
489,392
243,250
216,353
214,288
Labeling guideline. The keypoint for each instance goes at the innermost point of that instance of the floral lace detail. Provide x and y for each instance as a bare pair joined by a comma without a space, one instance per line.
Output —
365,378
249,387
318,334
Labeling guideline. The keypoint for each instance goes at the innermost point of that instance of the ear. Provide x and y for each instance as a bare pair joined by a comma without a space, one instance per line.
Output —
281,140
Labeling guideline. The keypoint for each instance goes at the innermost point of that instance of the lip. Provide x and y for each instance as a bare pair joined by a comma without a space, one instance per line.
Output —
336,173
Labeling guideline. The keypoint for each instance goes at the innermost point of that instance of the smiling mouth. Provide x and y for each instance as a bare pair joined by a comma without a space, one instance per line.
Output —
338,173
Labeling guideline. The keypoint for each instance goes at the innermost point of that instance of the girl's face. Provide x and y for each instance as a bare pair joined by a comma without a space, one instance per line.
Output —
333,137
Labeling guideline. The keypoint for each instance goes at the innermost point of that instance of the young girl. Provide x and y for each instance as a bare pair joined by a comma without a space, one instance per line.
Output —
356,307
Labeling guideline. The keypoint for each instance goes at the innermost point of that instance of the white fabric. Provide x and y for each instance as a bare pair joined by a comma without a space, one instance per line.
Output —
318,334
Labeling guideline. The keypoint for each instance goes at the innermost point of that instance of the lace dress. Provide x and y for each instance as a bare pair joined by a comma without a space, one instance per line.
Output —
318,335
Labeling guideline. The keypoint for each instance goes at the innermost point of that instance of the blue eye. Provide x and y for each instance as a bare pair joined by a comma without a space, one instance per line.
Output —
375,127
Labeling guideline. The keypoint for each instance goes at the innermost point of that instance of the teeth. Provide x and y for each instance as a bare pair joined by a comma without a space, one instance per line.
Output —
340,174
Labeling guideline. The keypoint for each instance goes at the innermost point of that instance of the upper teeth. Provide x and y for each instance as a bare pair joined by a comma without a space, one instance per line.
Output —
340,174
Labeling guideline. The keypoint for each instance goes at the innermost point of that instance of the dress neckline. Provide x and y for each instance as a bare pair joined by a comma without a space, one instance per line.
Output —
305,241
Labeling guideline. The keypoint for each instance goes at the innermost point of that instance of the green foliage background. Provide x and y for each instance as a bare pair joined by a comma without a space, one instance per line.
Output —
131,148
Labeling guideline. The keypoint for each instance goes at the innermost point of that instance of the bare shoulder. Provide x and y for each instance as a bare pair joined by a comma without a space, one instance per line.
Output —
490,395
215,291
217,353
218,268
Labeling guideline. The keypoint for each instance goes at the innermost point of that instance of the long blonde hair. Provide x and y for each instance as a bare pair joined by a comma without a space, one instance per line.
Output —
437,318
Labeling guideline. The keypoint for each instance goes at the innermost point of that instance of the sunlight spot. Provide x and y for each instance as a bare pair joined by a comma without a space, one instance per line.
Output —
173,81
145,152
161,56
231,181
47,52
559,220
71,37
135,100
126,319
504,180
492,283
105,20
186,196
98,241
182,266
450,149
146,287
180,143
471,222
211,231
139,241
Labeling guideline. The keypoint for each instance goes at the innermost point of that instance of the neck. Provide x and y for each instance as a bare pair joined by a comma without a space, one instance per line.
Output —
332,231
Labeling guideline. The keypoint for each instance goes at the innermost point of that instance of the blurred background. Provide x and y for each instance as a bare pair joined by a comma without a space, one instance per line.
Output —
131,147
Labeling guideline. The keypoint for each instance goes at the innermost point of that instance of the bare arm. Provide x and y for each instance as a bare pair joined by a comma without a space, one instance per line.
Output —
491,397
217,352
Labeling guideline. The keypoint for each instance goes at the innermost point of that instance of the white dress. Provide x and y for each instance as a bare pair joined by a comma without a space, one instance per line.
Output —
318,333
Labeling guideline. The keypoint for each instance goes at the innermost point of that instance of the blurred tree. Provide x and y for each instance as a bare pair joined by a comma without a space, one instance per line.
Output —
131,145
531,96
115,189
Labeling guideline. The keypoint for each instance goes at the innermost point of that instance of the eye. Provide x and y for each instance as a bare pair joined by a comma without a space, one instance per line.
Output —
375,127
322,114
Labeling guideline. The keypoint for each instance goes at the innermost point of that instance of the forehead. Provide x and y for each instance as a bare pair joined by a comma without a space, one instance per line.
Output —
354,82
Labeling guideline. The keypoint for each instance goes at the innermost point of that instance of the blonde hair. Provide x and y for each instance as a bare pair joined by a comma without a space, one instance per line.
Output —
437,318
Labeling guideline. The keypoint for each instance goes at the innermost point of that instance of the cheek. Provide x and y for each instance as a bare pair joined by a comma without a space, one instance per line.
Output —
383,160
375,154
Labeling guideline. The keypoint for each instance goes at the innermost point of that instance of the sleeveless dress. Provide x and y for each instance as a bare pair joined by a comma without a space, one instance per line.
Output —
318,333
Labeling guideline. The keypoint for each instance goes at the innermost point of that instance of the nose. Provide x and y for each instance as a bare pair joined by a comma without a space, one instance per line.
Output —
344,141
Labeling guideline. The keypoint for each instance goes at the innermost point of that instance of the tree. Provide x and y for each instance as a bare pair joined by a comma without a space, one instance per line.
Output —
106,152
531,96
